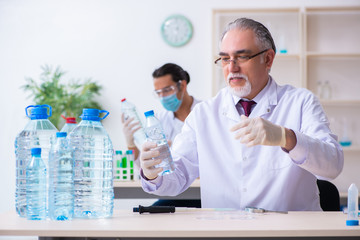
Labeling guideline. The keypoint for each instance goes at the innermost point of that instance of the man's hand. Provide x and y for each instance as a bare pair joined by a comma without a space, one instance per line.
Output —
258,131
129,129
147,162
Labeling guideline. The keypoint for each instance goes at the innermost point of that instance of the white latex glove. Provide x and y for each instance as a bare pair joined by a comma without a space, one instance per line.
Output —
258,131
147,162
129,129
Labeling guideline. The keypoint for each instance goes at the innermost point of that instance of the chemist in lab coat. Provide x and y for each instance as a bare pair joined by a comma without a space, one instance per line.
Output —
270,159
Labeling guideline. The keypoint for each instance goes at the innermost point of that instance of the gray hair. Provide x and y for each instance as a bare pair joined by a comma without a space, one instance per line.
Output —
262,34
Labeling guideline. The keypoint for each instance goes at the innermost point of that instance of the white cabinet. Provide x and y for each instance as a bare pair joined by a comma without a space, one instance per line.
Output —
315,45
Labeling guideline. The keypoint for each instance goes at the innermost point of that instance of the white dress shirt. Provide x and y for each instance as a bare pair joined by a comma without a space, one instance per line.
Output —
235,176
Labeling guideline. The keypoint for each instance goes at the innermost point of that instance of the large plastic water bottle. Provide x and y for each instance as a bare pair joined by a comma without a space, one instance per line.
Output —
38,132
70,124
61,182
36,187
93,167
155,133
129,111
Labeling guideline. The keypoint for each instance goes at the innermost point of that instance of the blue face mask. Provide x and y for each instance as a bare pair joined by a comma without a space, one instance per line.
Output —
171,102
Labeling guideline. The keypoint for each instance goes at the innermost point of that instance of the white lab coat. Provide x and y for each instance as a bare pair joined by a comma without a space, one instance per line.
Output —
172,126
235,176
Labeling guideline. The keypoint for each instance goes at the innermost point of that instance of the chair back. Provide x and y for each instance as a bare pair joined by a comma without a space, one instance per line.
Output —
329,196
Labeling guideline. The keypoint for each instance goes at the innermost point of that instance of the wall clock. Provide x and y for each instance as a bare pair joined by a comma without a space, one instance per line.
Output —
176,30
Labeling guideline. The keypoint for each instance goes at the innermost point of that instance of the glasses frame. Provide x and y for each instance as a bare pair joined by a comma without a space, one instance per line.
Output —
238,59
172,88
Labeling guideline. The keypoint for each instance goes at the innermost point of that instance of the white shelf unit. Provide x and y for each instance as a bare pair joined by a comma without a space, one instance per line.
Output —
323,44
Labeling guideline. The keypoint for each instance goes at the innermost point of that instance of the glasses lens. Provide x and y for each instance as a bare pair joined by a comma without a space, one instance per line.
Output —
166,91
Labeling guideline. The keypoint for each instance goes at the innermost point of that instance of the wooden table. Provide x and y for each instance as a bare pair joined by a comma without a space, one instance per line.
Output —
194,223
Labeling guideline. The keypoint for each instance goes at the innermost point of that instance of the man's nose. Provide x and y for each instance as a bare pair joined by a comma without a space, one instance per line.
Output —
233,66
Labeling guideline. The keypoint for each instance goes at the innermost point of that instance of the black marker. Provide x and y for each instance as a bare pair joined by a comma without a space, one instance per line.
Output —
154,209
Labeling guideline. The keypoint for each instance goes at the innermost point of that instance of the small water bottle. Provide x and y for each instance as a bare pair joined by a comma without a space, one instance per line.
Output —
36,187
38,132
61,182
326,92
70,124
155,133
353,207
129,111
93,167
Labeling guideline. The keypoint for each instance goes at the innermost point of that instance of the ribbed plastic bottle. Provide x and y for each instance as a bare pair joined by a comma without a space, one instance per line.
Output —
38,132
93,167
36,187
61,181
155,133
70,124
129,111
353,207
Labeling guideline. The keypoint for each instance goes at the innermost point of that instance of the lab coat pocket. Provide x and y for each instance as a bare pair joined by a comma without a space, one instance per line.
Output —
277,160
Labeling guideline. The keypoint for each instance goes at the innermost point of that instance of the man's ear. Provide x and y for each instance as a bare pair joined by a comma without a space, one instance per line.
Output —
269,58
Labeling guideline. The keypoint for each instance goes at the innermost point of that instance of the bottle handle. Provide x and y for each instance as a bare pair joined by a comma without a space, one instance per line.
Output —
104,111
44,105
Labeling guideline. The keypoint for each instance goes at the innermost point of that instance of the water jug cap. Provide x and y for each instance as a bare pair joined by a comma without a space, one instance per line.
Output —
61,134
149,113
35,151
123,100
39,111
93,114
69,119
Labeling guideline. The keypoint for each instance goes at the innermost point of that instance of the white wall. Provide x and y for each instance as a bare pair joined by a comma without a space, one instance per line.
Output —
115,42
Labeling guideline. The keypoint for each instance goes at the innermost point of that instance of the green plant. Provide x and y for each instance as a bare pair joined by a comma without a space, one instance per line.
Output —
68,99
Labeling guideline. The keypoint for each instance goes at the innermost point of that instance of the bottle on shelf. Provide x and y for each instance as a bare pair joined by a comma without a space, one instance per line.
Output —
36,187
345,140
117,164
326,91
93,167
155,133
38,132
61,182
129,111
353,207
319,89
70,124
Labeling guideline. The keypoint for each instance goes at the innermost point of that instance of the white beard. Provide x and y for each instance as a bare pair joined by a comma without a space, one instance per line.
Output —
239,91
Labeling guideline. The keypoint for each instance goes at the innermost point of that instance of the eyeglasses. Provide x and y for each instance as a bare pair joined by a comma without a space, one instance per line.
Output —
166,91
224,61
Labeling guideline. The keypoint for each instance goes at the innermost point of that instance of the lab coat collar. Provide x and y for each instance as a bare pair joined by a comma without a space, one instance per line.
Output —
265,101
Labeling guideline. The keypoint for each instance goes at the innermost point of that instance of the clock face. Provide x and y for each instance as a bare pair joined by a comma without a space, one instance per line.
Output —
176,30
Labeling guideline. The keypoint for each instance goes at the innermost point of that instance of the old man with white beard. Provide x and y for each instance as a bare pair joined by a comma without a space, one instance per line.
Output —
255,143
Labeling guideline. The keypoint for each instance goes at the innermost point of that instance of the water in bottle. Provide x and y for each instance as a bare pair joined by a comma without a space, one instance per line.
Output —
155,133
61,182
129,111
70,124
36,187
93,167
38,132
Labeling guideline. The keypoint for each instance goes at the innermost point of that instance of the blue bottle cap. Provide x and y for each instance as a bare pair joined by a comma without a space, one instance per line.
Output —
39,111
129,151
119,152
149,113
93,114
35,151
352,222
61,134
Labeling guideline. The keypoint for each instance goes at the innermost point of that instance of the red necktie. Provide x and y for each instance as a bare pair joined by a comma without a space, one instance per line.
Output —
246,105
